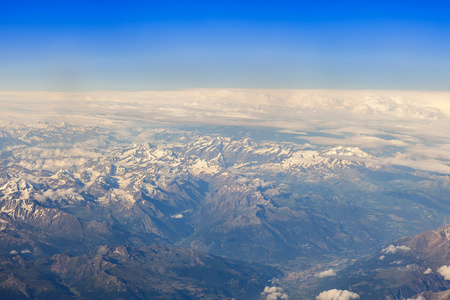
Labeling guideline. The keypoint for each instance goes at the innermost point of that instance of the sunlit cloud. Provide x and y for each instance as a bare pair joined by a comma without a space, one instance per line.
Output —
274,293
398,127
445,271
391,249
326,273
336,294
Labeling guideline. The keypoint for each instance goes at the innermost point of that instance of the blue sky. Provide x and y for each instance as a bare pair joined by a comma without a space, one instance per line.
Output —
165,45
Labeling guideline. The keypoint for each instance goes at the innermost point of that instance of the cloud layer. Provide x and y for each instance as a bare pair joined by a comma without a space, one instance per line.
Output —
408,128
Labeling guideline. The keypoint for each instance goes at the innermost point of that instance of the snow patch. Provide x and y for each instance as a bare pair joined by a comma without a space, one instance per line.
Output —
347,151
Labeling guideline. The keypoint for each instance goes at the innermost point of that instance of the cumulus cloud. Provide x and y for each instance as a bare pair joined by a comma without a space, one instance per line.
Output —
13,252
391,249
326,273
25,251
274,293
335,294
177,216
428,271
381,257
445,271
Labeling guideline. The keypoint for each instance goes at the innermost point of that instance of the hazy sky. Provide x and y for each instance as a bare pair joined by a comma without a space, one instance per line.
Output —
147,45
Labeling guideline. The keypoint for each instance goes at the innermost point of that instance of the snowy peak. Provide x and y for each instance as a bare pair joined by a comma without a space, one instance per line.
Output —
346,151
271,155
14,186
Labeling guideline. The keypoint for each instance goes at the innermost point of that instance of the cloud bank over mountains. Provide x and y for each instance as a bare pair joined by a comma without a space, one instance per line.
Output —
407,128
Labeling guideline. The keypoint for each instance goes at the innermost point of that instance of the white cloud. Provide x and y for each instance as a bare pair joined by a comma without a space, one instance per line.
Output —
445,271
335,294
326,273
356,141
25,251
54,159
381,257
408,118
397,107
274,293
408,267
428,271
177,216
391,249
418,298
13,252
56,194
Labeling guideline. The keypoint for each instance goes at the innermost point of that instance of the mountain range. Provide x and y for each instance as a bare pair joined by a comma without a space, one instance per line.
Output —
186,214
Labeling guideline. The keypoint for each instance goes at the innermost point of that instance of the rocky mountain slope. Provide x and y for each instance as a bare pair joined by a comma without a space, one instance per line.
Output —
124,272
411,268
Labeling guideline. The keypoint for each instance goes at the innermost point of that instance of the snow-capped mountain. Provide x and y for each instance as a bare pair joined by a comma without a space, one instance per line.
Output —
284,203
